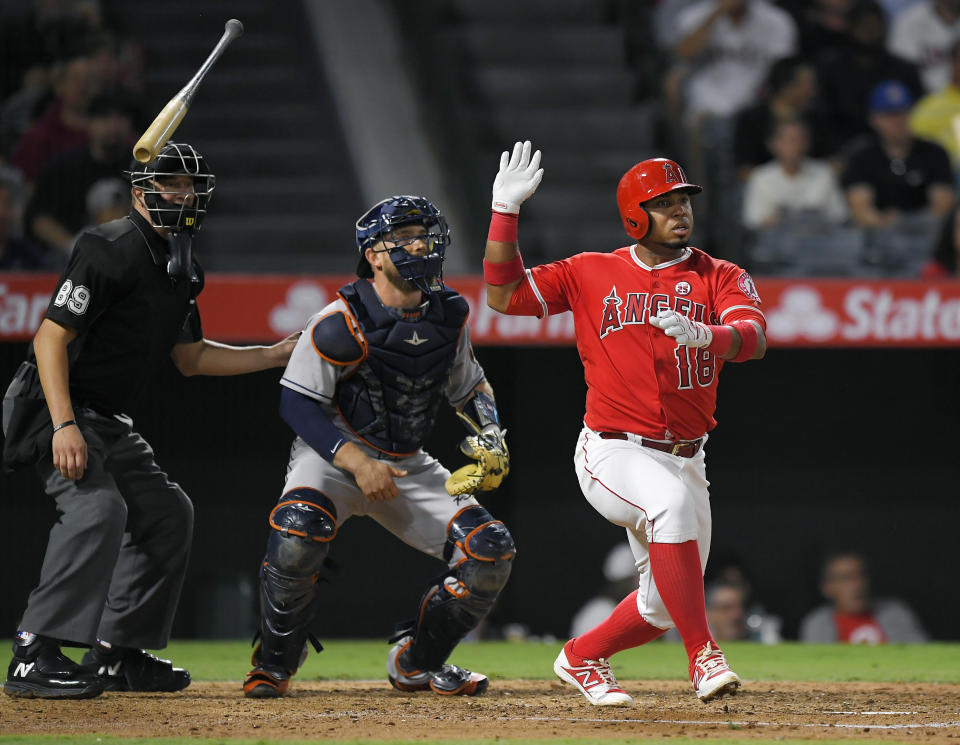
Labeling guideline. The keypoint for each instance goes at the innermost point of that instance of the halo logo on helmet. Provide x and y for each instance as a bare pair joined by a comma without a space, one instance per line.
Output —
646,180
174,159
378,223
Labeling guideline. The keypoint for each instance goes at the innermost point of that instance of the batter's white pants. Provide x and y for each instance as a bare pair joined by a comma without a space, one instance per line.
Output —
657,497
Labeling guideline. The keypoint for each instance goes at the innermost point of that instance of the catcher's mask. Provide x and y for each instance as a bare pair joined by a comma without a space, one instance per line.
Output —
646,180
377,225
174,159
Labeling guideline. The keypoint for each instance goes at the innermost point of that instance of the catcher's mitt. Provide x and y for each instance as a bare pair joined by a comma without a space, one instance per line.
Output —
491,467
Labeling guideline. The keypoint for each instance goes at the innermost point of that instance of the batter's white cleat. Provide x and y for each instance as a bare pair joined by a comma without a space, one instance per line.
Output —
712,676
593,678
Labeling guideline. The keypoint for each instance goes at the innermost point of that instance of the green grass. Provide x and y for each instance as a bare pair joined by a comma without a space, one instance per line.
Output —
366,660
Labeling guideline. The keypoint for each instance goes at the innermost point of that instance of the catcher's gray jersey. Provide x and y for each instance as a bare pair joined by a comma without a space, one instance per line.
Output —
419,515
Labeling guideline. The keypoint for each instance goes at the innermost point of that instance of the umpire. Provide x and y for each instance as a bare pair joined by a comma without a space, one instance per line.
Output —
117,555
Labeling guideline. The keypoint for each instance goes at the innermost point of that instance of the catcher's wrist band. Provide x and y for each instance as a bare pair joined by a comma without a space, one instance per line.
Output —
722,340
62,425
503,227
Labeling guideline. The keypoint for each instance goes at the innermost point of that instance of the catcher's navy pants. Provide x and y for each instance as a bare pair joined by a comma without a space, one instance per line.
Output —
117,555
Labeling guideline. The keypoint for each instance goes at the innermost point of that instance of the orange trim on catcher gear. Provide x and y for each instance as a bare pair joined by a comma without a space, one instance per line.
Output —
300,533
407,673
466,540
449,587
361,340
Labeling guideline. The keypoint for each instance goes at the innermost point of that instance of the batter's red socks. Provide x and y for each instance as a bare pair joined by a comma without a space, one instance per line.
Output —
624,629
679,577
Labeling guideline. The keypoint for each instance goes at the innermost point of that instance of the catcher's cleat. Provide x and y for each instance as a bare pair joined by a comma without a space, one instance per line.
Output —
457,681
712,677
266,682
450,680
40,670
131,669
593,678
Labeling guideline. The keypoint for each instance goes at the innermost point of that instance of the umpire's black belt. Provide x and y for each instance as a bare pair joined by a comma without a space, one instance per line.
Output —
681,448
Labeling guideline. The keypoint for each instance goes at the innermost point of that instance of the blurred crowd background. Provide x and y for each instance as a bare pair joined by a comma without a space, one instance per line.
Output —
826,134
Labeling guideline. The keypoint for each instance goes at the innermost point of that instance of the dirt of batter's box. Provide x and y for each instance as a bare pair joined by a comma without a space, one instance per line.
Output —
510,708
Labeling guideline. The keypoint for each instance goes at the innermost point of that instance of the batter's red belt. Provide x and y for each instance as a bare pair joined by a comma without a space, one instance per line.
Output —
682,448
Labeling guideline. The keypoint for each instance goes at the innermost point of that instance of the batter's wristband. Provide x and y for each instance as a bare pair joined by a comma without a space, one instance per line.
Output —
503,227
503,273
750,340
722,340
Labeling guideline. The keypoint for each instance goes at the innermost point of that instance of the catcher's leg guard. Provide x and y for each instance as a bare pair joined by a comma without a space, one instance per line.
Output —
460,599
304,522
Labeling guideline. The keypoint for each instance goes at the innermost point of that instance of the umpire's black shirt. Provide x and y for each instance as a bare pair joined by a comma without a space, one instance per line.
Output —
129,313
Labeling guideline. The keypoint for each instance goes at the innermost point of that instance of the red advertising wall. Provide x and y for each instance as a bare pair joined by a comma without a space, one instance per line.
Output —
800,313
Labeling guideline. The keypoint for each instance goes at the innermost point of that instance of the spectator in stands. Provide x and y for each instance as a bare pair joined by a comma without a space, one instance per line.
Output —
896,173
790,93
16,253
727,611
847,74
58,210
792,185
943,263
924,34
851,615
107,199
934,115
620,572
731,45
823,24
62,126
726,572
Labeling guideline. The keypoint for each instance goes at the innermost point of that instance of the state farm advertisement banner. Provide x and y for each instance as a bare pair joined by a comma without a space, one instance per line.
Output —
800,313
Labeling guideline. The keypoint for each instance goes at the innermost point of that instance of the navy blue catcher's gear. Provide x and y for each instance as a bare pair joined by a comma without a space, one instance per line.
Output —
304,522
460,598
377,223
336,341
174,159
392,399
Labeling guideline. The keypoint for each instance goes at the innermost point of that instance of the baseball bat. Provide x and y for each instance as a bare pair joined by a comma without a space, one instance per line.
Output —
172,114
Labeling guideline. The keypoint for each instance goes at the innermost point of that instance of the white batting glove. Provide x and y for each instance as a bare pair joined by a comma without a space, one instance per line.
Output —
518,178
686,331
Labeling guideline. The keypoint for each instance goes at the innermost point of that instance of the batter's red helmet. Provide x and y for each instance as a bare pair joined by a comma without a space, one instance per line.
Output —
644,181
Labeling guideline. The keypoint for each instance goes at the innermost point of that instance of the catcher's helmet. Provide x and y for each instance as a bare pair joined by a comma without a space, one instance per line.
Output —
174,159
646,180
426,271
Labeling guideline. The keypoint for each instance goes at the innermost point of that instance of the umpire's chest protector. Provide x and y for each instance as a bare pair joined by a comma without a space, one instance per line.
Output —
392,398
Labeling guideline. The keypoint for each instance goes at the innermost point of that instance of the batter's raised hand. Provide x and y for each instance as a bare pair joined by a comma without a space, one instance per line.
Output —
518,178
685,330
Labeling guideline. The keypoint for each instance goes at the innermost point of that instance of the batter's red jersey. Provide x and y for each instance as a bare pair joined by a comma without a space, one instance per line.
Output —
639,379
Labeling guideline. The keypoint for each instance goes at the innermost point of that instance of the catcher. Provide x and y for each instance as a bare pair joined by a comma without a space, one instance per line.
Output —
361,392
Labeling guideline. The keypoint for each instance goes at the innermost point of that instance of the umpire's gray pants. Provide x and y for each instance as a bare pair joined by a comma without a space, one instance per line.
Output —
117,555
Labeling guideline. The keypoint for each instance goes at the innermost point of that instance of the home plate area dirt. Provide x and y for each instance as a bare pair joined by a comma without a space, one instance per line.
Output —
510,708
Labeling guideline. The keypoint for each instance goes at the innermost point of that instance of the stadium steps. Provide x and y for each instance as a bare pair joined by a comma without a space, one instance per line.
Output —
286,196
556,72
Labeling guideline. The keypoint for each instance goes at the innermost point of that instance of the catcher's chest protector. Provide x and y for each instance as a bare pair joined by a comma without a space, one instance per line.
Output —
392,398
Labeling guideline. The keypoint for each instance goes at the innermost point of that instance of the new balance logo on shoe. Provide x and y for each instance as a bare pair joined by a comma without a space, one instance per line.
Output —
110,669
23,669
585,675
593,678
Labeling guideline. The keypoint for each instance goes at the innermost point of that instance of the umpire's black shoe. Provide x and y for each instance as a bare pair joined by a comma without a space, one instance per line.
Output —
40,670
131,669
